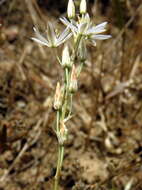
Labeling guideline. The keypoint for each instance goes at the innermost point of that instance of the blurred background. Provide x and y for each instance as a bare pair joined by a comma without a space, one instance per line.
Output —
104,147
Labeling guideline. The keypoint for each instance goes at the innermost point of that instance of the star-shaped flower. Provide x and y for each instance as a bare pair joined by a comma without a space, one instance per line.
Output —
51,39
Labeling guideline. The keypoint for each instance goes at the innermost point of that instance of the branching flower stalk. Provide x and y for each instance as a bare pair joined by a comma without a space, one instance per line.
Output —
82,30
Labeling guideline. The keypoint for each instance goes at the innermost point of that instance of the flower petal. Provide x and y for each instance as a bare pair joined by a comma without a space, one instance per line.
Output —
68,24
93,30
51,33
41,42
64,21
101,37
99,28
65,39
82,27
102,25
64,34
40,39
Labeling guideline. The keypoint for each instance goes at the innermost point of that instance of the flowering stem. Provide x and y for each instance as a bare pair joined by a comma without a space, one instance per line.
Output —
67,99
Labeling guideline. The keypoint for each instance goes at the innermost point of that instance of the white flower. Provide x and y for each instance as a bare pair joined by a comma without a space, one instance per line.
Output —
52,39
86,28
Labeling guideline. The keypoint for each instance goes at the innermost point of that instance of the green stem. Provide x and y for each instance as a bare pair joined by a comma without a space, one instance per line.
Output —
77,43
59,166
76,46
57,122
64,109
70,111
67,77
62,156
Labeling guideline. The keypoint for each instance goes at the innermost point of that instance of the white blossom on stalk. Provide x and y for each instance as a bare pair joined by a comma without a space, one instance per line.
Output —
86,28
71,9
52,39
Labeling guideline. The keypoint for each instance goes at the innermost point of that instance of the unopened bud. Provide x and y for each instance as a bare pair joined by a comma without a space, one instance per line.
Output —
73,81
71,9
62,135
58,97
83,7
66,61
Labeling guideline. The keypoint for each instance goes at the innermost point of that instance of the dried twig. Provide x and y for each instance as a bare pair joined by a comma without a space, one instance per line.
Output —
135,67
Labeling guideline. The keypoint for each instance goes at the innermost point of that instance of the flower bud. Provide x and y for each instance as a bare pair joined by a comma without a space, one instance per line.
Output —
73,81
66,61
58,97
71,9
62,135
83,7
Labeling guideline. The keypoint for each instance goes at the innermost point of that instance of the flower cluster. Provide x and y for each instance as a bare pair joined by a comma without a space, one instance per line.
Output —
83,26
